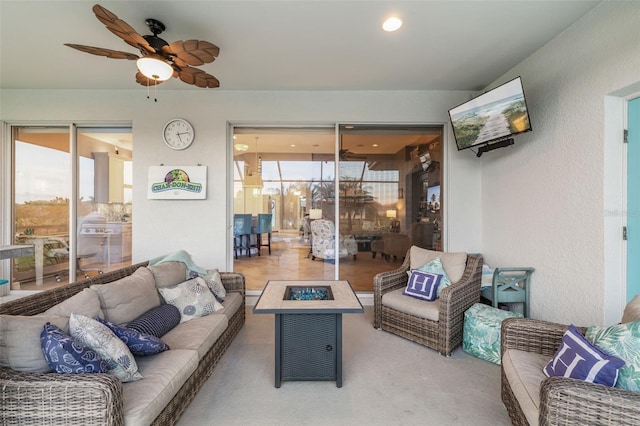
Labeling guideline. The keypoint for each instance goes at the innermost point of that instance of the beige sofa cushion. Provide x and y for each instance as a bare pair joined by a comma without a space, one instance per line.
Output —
524,373
454,264
164,374
632,310
129,297
168,273
198,334
85,303
410,305
231,304
20,347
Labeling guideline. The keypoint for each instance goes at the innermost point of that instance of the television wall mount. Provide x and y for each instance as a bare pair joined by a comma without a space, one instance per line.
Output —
491,146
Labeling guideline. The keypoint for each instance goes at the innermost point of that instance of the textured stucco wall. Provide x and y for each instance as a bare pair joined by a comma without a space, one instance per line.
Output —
542,201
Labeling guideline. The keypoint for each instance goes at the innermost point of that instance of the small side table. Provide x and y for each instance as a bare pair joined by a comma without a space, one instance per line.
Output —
510,285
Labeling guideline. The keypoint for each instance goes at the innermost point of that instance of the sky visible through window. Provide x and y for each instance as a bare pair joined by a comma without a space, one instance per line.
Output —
44,174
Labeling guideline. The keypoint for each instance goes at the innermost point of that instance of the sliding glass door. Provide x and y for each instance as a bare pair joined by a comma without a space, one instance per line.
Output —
42,188
280,178
349,218
387,173
71,200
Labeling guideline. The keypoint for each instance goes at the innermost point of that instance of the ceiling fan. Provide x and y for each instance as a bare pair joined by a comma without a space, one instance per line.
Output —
158,60
346,155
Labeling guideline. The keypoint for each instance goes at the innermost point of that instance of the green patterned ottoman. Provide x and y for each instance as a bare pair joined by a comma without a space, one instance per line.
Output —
481,332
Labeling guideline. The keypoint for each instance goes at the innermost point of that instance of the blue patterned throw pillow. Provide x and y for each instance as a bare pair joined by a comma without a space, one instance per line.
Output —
157,321
65,355
578,359
140,344
423,285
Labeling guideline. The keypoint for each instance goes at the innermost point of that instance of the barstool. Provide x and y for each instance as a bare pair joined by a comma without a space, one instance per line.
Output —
241,233
263,227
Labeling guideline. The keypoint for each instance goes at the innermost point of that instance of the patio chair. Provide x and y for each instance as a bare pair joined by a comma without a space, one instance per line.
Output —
532,398
438,324
323,236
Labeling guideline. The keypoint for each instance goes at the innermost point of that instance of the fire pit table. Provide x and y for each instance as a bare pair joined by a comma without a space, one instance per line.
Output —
308,327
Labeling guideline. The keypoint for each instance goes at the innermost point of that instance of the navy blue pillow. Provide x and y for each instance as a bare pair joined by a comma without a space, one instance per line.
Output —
140,344
65,355
157,321
423,285
577,358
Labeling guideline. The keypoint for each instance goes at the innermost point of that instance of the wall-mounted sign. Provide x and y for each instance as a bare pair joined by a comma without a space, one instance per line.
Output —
177,183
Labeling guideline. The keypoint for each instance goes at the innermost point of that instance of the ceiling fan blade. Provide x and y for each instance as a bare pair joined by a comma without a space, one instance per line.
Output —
193,52
198,78
114,54
120,28
146,81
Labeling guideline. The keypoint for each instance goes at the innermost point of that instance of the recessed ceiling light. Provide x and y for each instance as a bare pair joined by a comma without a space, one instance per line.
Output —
392,23
293,145
375,144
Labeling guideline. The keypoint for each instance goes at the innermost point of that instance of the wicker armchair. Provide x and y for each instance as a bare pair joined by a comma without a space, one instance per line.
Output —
563,401
443,335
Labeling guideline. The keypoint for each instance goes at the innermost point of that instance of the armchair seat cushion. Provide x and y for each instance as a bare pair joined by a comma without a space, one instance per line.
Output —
410,305
524,371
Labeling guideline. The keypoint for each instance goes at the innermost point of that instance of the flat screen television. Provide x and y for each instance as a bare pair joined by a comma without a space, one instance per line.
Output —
433,197
491,117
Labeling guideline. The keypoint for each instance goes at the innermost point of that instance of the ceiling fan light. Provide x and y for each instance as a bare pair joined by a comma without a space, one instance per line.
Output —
155,68
391,24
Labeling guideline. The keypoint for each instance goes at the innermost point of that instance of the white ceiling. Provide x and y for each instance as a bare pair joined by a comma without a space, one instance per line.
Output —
287,45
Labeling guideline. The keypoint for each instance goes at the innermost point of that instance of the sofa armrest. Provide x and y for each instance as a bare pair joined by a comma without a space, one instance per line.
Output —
71,399
233,281
459,296
575,402
531,335
385,282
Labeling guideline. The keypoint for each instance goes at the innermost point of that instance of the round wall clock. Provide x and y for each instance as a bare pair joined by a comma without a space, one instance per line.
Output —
178,134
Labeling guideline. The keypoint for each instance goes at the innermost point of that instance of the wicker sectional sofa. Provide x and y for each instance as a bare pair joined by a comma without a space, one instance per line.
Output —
171,378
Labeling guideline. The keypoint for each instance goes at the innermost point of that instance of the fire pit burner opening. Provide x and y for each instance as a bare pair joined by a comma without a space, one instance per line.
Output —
308,293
